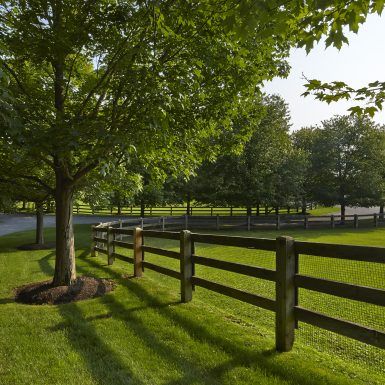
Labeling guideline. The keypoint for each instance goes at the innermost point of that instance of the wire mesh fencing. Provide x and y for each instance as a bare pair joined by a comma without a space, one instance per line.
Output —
367,274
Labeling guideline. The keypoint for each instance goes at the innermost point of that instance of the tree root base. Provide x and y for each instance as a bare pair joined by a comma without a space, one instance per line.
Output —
41,293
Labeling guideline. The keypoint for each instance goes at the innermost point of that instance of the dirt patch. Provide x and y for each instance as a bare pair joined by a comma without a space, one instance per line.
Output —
37,246
45,293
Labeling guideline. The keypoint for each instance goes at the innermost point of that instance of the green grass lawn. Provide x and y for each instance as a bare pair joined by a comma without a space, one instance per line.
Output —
321,210
142,334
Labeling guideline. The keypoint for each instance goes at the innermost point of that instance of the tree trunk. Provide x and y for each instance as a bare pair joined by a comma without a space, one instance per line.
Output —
24,205
142,208
276,210
188,202
248,211
39,224
343,209
381,212
258,210
119,209
65,268
303,210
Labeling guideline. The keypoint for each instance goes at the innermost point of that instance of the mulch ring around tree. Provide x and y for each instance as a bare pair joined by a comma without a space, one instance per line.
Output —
40,293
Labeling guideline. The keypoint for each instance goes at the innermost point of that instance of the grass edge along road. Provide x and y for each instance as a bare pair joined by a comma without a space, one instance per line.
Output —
141,334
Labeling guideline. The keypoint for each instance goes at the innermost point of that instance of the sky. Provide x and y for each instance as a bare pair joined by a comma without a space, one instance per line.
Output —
357,64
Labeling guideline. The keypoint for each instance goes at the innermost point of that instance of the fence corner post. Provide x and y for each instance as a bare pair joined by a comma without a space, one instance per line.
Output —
285,294
138,251
110,245
186,266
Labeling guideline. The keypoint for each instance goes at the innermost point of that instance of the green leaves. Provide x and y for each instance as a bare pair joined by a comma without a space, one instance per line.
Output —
346,159
373,95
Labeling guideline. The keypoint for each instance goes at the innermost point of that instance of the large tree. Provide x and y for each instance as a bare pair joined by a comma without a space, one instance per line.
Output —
258,175
95,81
348,162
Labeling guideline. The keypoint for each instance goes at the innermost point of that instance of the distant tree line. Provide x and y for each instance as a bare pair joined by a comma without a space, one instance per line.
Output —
341,162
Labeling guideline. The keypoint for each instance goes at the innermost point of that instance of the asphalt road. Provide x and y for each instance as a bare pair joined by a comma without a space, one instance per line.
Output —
20,222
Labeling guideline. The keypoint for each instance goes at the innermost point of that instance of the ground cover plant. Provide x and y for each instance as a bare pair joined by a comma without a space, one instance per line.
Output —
141,334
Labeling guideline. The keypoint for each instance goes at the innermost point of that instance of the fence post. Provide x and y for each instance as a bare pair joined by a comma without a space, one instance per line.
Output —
93,243
355,221
248,223
278,224
305,224
138,252
332,224
110,245
120,227
285,294
375,219
186,269
217,222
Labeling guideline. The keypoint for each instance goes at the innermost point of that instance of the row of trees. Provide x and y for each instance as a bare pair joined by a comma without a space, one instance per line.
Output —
340,162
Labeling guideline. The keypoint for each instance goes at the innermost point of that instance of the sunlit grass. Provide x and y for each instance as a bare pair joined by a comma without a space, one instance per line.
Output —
141,334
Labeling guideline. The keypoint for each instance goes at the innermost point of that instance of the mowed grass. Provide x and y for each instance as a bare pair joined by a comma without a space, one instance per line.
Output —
142,334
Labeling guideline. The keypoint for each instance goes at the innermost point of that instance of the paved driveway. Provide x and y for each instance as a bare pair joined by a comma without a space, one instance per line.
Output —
20,222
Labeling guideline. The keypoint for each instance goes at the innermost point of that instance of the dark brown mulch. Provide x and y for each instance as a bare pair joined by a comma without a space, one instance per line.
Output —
45,293
37,246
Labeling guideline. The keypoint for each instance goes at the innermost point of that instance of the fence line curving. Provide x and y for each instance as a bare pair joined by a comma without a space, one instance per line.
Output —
295,282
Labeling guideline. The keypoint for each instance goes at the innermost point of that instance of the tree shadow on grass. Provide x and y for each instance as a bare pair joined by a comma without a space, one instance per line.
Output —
239,355
45,265
103,363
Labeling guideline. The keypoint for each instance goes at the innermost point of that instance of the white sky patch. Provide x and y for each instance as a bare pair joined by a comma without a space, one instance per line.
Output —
357,64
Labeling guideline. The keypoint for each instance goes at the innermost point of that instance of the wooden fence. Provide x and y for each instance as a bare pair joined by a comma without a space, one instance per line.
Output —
106,237
277,222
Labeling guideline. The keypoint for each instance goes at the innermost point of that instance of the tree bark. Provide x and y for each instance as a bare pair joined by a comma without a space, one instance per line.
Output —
65,268
258,210
188,201
304,207
142,208
39,224
248,211
343,210
381,212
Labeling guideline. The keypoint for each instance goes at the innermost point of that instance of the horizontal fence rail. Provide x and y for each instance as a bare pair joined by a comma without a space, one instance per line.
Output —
221,222
286,276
